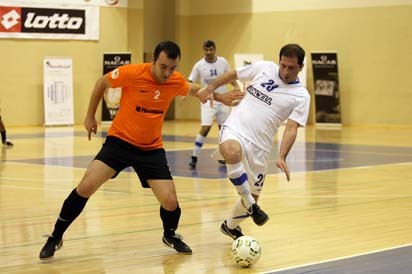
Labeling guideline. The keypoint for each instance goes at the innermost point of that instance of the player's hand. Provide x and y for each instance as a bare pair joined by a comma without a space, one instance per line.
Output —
211,99
230,98
204,94
90,124
282,165
237,95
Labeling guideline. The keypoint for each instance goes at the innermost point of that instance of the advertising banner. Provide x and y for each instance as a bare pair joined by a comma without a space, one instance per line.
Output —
327,95
76,23
111,99
58,91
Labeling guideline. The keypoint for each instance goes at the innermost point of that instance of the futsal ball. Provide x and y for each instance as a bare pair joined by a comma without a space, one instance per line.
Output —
246,251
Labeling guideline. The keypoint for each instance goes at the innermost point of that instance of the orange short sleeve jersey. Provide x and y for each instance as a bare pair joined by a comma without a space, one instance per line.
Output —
143,104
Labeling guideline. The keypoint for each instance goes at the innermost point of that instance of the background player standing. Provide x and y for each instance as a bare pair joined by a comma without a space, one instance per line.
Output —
206,70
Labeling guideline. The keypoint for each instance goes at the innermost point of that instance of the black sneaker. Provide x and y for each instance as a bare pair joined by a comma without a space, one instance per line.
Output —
177,243
222,162
258,215
232,233
50,247
193,162
7,142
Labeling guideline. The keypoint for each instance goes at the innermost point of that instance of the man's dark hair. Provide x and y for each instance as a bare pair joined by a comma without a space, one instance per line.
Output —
293,50
170,48
208,44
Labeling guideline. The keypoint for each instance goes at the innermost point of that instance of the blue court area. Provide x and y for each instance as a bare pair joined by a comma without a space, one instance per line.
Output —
303,157
394,261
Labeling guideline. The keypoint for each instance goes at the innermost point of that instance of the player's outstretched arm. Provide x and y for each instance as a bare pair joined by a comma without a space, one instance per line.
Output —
288,139
194,88
90,122
223,79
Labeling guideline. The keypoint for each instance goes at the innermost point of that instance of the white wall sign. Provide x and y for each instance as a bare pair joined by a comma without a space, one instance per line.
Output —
58,91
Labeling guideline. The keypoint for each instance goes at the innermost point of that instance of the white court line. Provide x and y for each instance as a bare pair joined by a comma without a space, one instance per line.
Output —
309,171
37,188
183,194
335,259
14,179
190,193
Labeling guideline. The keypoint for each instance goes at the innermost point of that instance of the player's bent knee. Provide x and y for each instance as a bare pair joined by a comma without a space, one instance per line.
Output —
86,188
169,203
231,156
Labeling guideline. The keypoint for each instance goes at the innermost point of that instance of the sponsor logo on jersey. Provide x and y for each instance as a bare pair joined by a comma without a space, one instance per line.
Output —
259,95
148,110
42,20
115,73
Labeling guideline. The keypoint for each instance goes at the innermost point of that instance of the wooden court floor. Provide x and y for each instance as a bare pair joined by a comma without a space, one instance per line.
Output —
350,193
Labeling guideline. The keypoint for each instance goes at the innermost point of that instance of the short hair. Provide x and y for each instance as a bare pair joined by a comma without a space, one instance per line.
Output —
293,50
208,44
170,48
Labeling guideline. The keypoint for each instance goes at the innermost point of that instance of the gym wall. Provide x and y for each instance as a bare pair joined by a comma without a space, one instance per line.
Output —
373,40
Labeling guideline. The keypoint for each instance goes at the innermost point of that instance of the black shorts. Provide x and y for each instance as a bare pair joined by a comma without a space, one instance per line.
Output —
148,164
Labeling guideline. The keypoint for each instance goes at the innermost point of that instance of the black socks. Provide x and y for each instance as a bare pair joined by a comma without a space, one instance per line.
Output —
72,207
170,220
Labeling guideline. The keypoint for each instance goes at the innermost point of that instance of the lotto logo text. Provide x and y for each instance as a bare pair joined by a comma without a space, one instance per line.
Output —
42,20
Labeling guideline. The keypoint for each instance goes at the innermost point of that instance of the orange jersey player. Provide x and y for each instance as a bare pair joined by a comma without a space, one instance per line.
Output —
144,103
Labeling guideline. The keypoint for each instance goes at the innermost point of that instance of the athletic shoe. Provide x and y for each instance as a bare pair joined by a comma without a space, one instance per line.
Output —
7,142
258,215
232,233
193,162
222,162
176,242
50,247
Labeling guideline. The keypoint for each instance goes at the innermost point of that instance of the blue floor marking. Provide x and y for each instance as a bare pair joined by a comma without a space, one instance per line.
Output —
303,157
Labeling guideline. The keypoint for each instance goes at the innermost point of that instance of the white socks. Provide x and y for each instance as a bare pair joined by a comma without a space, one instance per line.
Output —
198,145
238,177
238,215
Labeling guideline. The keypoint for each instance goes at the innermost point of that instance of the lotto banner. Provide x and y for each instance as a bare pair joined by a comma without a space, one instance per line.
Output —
111,99
76,23
58,91
327,94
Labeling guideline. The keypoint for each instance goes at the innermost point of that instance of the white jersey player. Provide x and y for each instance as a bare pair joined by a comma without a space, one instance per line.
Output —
273,96
205,71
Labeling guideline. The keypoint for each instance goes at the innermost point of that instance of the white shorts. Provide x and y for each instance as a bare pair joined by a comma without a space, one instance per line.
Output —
254,159
219,110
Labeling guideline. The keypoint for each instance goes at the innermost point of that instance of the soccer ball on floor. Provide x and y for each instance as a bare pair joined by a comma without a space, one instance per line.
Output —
246,251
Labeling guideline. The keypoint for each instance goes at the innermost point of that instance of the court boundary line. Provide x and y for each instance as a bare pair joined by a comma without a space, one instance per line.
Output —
313,171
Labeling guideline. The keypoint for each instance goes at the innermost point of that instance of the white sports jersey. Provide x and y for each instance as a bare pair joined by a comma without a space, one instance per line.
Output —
267,104
206,72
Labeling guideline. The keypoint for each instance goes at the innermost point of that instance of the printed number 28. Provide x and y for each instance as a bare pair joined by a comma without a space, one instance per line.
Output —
269,85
